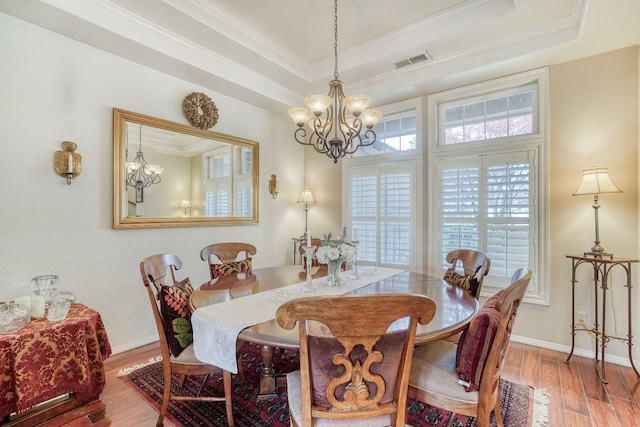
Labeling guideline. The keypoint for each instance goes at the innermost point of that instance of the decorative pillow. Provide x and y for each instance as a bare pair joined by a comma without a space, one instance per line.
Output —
219,270
322,348
475,344
461,281
176,315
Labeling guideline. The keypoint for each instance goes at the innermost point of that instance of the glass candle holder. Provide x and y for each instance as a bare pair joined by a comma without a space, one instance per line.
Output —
45,286
308,283
354,265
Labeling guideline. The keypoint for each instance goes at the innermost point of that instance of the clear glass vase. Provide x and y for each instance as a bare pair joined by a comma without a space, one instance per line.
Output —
333,274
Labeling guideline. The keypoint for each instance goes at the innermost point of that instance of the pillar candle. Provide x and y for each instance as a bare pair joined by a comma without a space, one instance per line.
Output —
308,237
70,164
37,306
26,301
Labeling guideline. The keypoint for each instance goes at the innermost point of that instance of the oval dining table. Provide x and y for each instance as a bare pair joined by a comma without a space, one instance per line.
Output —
454,308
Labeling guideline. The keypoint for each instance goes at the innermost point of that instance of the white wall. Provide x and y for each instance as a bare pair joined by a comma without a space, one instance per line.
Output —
54,89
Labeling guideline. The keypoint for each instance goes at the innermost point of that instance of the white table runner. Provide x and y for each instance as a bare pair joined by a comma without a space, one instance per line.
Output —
216,327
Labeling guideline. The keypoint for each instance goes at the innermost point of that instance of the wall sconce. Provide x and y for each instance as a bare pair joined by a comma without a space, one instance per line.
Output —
273,186
185,205
68,163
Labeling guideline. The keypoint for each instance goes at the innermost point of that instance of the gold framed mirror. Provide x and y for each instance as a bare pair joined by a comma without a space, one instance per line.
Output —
167,174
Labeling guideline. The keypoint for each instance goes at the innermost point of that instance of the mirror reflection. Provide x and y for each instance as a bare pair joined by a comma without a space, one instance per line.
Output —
167,175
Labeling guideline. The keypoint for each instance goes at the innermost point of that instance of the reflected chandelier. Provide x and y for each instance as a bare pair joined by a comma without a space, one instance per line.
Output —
336,134
139,173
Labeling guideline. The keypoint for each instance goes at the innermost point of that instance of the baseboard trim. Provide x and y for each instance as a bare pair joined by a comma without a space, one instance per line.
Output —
134,344
617,360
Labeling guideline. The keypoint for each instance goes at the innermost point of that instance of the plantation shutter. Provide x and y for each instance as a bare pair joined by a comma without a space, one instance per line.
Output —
486,205
382,203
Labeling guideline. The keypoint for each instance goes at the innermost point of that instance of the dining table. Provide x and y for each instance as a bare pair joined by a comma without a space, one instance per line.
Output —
255,297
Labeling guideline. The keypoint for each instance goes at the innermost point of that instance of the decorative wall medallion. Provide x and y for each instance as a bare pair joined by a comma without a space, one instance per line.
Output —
200,110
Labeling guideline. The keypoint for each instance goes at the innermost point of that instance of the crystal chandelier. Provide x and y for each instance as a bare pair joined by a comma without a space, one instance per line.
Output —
139,173
337,133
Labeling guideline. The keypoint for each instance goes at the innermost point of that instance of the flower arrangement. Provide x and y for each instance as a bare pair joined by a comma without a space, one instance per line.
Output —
334,252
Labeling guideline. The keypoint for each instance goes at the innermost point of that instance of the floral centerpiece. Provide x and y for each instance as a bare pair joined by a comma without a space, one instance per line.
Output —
334,252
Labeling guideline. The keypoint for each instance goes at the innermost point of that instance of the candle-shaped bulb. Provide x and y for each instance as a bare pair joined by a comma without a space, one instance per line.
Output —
70,164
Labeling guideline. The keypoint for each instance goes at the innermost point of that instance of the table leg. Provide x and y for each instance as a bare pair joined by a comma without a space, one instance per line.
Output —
600,365
629,333
267,374
573,311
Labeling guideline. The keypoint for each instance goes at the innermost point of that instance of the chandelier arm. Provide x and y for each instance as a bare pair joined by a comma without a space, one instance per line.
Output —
300,134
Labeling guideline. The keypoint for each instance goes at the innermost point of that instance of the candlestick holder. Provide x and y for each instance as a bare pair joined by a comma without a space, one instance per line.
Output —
354,266
308,283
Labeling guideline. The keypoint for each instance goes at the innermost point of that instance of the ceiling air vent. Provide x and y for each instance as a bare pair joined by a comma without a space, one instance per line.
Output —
412,60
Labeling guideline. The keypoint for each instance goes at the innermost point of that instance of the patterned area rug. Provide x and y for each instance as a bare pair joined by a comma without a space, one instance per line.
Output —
518,402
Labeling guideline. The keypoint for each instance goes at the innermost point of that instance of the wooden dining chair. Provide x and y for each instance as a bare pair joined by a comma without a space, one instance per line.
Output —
467,269
465,378
355,372
159,278
228,258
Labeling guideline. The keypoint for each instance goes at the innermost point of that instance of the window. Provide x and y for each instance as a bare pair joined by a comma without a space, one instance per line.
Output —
486,204
508,113
487,152
220,182
380,196
395,133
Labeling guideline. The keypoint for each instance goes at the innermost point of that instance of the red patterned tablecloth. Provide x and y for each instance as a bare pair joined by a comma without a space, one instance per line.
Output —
46,359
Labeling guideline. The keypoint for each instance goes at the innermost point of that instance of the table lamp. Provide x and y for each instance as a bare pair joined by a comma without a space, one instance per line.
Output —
307,198
185,205
596,181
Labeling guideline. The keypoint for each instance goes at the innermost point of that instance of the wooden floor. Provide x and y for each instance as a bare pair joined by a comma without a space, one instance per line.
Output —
577,398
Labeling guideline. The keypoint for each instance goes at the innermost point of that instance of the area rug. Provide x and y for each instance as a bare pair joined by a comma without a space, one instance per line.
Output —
521,405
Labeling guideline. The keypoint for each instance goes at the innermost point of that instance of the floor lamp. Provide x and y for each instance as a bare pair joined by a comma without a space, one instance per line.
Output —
596,181
307,198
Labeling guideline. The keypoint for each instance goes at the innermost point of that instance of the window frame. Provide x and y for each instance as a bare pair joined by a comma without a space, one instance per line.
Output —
411,158
538,291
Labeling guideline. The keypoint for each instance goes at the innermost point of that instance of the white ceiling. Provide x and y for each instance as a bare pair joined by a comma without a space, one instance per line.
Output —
272,53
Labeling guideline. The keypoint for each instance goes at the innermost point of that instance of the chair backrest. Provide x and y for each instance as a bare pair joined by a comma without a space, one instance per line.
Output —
474,264
154,270
375,381
508,301
226,252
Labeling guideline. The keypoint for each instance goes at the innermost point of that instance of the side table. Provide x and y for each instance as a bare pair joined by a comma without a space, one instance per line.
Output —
601,270
45,360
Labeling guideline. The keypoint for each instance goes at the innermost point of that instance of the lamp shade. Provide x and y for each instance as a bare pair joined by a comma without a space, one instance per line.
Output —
306,196
596,181
185,204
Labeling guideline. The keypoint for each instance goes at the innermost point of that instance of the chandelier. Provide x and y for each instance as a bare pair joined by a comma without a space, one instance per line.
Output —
139,173
336,133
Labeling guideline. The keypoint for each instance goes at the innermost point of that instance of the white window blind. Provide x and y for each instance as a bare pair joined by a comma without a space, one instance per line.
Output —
382,205
486,205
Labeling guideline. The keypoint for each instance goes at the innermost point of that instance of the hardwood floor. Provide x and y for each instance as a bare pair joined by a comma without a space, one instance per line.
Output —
577,398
